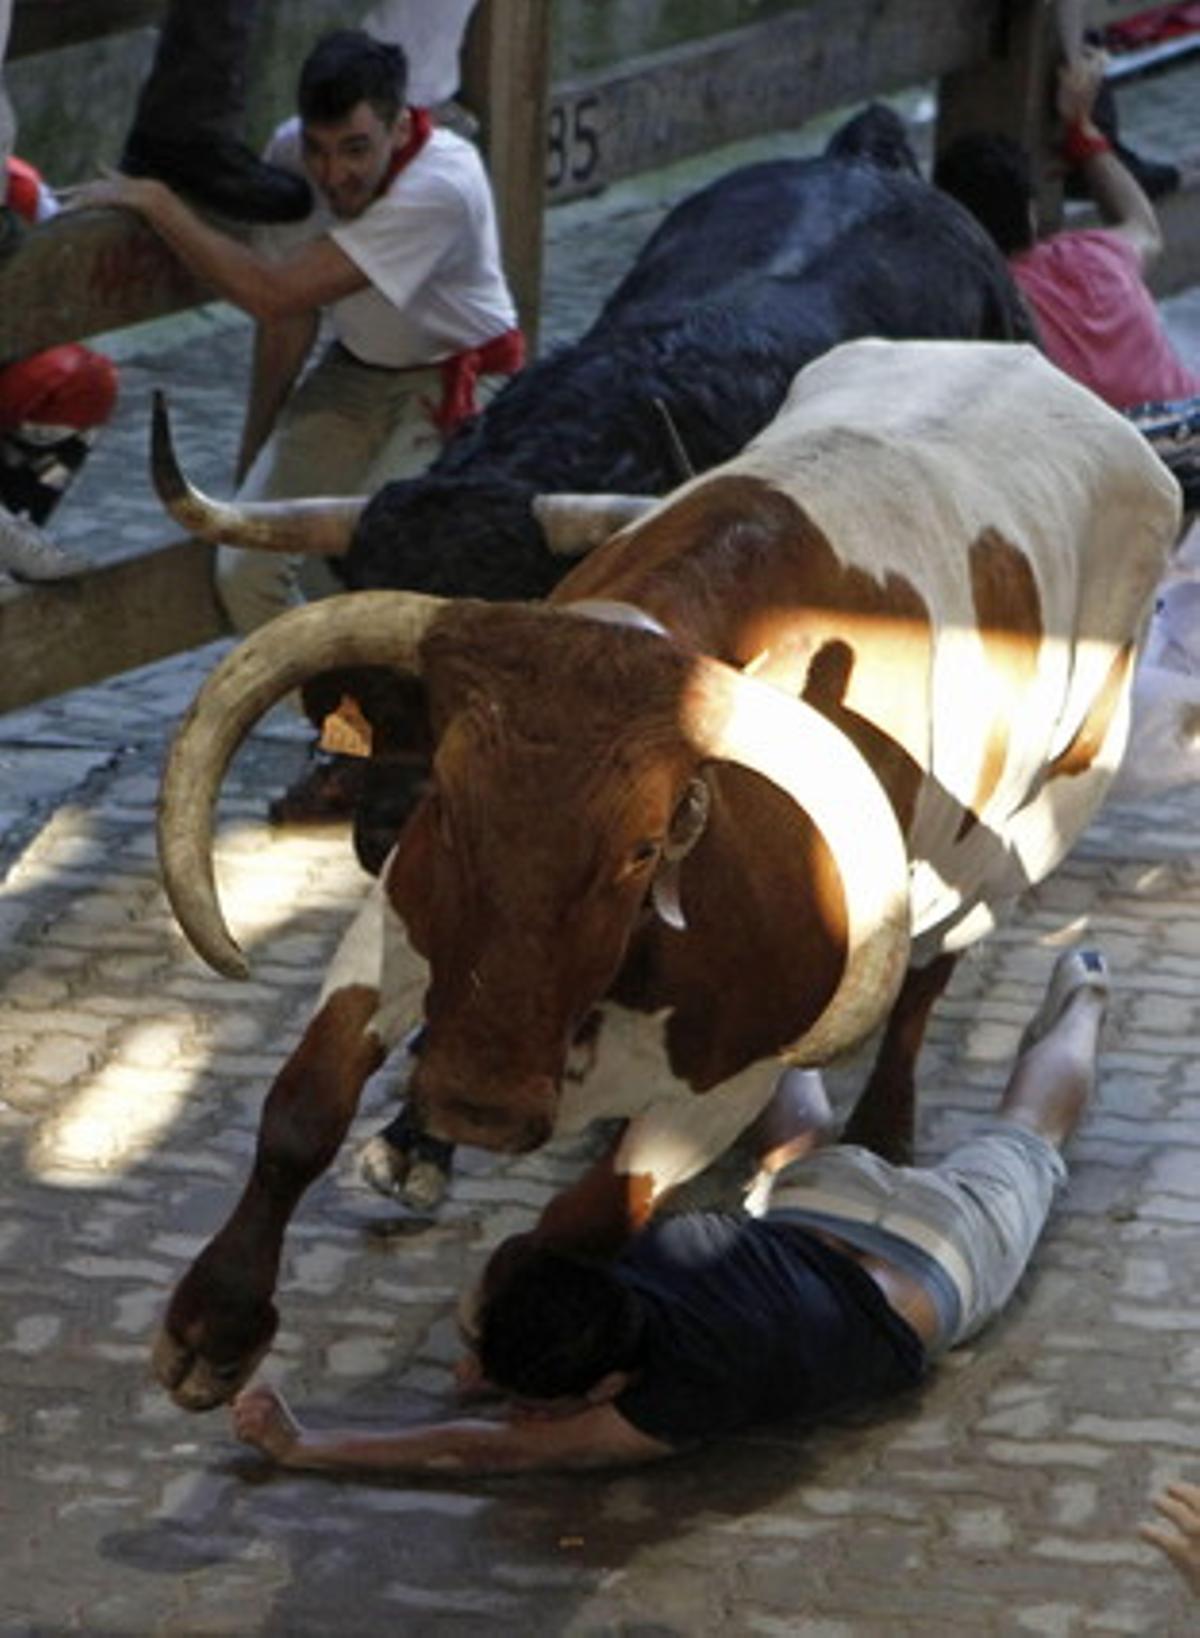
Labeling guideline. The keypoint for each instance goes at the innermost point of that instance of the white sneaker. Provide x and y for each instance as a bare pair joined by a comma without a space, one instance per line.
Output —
28,554
1076,969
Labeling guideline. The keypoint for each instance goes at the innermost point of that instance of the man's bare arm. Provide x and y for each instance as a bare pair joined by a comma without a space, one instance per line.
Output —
596,1437
312,277
1117,194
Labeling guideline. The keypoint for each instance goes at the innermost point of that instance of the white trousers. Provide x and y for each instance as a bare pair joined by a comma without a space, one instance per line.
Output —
345,430
430,32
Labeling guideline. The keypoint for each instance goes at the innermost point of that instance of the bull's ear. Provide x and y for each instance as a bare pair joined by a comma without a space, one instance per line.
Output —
687,827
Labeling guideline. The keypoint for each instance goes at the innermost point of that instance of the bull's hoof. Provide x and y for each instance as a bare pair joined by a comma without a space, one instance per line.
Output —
200,1380
418,1181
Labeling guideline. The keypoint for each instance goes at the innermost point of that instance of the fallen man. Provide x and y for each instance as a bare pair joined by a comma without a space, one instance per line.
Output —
859,1276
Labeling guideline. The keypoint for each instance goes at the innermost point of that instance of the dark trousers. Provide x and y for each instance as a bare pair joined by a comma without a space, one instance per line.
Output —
197,85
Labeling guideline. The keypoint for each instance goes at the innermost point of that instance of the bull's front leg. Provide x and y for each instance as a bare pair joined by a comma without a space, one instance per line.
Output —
222,1317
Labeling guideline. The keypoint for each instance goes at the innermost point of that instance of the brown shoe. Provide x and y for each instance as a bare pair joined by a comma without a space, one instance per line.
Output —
327,793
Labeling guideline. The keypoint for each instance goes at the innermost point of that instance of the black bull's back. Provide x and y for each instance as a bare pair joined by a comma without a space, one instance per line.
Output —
741,285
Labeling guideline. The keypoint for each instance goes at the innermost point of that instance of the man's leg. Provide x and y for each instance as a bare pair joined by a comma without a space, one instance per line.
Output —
346,430
52,406
326,441
1054,1076
11,227
431,38
1005,1180
967,1227
188,122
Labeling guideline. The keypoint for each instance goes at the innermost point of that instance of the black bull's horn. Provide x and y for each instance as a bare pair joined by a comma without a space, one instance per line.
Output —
725,715
320,527
323,525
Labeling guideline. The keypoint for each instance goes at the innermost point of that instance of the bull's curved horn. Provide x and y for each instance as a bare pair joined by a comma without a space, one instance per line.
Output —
574,524
380,628
321,527
733,717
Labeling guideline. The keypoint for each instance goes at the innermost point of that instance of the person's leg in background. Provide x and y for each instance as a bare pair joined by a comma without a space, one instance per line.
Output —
430,36
347,430
52,406
344,431
188,124
11,227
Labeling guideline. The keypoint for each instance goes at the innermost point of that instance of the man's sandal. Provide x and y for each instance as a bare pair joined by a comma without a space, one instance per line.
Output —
1076,969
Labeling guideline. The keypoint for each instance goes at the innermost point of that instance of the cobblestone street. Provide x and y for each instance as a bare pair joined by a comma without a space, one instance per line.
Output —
1002,1498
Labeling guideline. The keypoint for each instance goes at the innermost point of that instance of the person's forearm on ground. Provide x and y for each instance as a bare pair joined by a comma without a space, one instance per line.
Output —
280,349
465,1446
593,1437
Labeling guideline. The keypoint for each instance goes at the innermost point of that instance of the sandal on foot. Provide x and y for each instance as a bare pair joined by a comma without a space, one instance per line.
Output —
1076,969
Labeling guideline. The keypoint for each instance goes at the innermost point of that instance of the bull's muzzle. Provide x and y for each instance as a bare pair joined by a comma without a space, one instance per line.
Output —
513,1124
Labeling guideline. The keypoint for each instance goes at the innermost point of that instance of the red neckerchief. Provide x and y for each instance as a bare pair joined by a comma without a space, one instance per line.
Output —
420,129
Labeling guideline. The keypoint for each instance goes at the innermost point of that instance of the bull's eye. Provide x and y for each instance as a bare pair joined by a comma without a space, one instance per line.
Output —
642,857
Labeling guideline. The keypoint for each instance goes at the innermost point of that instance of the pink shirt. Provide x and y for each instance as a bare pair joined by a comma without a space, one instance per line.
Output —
1098,321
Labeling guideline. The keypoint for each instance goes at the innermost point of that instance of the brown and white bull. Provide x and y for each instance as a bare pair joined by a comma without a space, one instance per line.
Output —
799,732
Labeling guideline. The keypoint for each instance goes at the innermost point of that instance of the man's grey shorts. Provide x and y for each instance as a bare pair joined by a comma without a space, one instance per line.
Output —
966,1227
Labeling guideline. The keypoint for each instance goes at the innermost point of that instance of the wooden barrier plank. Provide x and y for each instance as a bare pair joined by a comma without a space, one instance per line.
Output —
45,25
765,77
70,633
82,273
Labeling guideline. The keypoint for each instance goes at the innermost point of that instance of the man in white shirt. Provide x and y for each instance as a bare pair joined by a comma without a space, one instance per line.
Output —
400,256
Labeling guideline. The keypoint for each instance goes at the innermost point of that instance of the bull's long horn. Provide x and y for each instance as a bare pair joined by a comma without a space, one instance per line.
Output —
737,719
573,524
380,628
321,527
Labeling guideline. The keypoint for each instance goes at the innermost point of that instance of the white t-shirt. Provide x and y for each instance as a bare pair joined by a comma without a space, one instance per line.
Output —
430,248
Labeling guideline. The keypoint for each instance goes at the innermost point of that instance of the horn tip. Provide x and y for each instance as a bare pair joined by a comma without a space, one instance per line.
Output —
168,479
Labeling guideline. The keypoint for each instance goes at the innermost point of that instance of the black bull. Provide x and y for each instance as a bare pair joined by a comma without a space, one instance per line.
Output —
739,287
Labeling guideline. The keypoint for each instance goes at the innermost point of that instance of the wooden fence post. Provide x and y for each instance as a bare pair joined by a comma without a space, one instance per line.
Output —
506,75
1010,92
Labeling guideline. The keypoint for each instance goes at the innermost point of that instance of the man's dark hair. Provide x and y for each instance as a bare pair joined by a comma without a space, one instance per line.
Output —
553,1325
347,67
991,175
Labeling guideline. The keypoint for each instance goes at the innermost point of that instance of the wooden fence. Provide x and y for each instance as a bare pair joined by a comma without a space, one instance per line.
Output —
990,59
